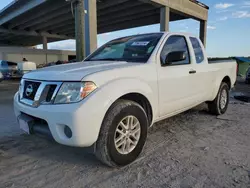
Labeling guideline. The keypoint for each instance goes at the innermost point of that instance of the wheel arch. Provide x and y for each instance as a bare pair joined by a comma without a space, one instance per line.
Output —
139,98
142,101
227,80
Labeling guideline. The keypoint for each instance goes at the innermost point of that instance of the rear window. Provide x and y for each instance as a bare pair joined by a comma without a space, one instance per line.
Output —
197,50
11,63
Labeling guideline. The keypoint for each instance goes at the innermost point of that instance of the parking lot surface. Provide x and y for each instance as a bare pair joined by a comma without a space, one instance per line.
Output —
193,149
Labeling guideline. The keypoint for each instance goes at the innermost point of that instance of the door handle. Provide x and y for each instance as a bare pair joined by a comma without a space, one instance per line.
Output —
192,71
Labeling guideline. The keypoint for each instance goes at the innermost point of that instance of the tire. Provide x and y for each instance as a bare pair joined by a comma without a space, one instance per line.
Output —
106,150
215,107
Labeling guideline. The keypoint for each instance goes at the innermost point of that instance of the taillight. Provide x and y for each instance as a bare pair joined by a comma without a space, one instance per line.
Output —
237,69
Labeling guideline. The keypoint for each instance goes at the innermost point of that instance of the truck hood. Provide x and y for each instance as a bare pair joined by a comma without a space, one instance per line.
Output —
74,71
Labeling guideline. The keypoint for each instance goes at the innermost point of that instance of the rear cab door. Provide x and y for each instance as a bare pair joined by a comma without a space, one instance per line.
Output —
177,83
205,76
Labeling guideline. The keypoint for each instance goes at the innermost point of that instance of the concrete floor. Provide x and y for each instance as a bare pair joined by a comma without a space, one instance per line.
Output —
8,124
193,149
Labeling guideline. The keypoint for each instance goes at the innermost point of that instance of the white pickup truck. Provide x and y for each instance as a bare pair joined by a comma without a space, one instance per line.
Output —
109,100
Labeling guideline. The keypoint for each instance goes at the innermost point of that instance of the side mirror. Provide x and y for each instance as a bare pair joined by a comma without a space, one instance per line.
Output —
175,57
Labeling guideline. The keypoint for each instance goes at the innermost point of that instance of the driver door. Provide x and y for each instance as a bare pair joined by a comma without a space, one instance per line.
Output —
175,80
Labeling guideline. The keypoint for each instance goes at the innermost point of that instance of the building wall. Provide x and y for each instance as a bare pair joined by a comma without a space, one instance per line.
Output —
39,56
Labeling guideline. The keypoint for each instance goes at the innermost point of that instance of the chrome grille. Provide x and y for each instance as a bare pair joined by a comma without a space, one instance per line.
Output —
35,93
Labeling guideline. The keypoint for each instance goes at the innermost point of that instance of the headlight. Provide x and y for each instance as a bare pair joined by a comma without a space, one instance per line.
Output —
71,92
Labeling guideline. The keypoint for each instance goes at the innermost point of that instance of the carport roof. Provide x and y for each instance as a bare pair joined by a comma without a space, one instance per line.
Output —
243,59
24,22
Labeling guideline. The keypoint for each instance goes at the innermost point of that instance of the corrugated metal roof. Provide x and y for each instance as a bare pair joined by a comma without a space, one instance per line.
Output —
243,59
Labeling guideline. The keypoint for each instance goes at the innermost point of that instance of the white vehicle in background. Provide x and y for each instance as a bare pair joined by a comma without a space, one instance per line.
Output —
1,77
16,70
25,67
109,100
8,68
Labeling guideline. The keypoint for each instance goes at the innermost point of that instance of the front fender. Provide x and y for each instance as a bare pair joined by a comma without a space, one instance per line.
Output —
117,88
97,104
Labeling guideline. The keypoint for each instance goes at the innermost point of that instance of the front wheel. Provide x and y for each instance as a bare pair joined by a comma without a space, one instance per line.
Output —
220,104
123,134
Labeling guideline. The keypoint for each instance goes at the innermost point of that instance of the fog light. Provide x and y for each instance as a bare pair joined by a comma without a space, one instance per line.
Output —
67,131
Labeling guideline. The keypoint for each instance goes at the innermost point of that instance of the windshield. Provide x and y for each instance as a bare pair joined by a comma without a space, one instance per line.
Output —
131,49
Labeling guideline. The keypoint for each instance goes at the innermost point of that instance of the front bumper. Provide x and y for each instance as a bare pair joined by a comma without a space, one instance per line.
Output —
83,121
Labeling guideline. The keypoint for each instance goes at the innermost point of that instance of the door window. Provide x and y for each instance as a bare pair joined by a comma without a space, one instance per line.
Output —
175,44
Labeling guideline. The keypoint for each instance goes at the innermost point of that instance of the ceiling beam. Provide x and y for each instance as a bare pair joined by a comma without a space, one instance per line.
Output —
53,22
131,12
7,36
72,33
25,19
128,15
59,25
137,21
120,8
129,18
106,4
32,41
33,33
23,42
44,19
189,8
63,28
134,23
66,30
21,10
157,3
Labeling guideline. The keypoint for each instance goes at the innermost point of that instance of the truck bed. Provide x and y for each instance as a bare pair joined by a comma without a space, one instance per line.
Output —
220,60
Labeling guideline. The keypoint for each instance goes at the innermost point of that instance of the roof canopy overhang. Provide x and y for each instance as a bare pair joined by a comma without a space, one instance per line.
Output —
242,59
25,22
